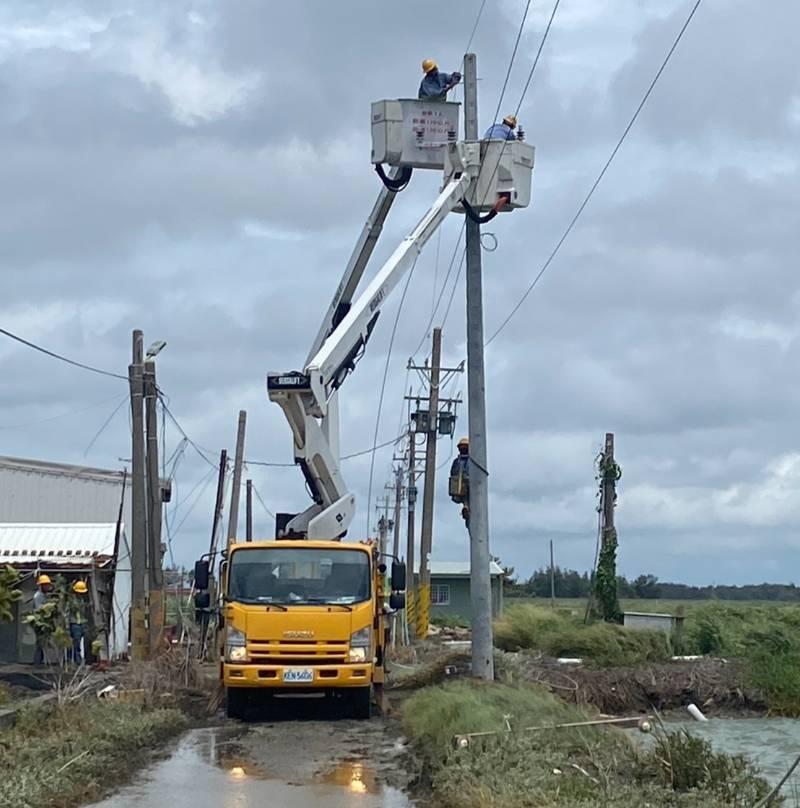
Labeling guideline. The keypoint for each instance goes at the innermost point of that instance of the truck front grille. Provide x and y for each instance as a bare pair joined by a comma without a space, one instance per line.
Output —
297,652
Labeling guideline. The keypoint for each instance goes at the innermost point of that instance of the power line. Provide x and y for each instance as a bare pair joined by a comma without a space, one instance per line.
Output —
538,54
60,415
441,293
183,431
205,483
383,390
261,500
475,27
60,357
600,176
105,424
511,61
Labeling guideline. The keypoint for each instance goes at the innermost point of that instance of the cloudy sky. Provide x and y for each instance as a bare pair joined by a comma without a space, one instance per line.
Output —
200,170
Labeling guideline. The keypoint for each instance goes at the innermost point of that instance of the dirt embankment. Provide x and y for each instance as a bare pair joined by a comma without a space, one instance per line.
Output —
712,684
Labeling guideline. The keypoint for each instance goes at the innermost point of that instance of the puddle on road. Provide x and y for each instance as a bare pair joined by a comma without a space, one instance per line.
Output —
201,774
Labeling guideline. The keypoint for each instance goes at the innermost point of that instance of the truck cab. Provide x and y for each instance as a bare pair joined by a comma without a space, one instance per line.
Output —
303,616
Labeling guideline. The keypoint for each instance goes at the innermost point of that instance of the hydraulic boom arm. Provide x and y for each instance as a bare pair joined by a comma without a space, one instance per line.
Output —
309,399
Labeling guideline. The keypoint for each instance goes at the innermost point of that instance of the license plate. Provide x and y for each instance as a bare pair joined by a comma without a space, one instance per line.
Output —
298,675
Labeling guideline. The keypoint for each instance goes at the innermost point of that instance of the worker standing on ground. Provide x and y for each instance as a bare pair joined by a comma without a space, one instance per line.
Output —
504,130
40,598
77,620
436,85
459,479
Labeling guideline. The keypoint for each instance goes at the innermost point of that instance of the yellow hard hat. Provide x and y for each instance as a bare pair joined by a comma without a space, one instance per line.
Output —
428,65
80,588
510,120
463,442
43,579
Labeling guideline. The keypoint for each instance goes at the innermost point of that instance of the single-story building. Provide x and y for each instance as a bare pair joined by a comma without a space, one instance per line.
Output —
61,518
76,551
450,588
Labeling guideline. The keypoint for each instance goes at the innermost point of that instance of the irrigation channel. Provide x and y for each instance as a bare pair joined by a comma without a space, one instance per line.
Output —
771,743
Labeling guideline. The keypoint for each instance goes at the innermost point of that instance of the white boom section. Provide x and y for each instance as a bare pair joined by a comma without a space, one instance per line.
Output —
309,400
354,271
328,368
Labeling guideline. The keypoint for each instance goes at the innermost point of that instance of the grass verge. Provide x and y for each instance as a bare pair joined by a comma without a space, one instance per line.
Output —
556,634
576,767
57,758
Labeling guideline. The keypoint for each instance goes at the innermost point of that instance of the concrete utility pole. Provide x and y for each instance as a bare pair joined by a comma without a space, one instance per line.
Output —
154,556
249,511
426,537
412,513
481,586
552,578
398,504
609,486
233,516
139,634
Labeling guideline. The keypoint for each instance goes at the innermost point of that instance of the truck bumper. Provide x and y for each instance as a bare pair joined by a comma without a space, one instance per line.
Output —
271,676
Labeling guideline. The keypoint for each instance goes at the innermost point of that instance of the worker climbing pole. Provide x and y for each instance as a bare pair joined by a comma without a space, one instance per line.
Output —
458,486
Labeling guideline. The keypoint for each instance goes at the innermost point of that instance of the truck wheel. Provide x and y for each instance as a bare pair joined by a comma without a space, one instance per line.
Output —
361,701
236,702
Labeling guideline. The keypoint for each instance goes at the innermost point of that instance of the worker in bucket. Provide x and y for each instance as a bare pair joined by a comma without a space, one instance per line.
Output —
504,130
43,588
459,479
77,620
436,85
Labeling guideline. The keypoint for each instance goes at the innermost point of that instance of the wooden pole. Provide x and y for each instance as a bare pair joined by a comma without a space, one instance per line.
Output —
552,577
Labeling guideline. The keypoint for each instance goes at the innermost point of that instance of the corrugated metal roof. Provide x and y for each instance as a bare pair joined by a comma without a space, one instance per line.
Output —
62,469
56,543
460,568
55,493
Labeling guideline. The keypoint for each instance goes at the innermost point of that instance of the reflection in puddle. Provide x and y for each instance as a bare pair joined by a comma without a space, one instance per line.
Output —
206,772
354,776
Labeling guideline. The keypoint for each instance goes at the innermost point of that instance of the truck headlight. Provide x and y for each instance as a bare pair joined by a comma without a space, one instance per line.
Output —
235,645
359,645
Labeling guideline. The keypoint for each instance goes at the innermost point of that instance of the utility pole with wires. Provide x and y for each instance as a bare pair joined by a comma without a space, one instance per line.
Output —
480,577
431,422
233,515
203,600
249,511
155,594
139,633
384,524
397,489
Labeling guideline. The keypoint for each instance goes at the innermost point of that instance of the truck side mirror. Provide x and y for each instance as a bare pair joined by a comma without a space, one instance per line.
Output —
201,570
397,601
398,576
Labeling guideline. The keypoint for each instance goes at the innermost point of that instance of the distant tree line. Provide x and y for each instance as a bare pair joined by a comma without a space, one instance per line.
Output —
574,584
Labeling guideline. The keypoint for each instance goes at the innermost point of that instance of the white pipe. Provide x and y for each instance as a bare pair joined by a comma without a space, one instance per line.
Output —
694,712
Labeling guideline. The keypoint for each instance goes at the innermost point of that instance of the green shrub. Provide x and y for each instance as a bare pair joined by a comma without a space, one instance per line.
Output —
587,767
777,676
554,634
687,763
433,716
118,738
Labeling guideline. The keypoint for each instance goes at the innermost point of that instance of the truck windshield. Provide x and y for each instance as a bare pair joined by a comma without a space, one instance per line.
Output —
302,575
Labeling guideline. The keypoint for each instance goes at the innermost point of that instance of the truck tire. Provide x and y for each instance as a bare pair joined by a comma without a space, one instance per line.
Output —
361,702
236,699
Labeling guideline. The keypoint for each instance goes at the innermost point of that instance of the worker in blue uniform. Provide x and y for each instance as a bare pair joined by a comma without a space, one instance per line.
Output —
458,484
504,130
436,85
